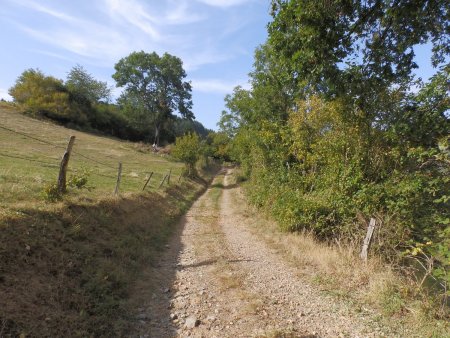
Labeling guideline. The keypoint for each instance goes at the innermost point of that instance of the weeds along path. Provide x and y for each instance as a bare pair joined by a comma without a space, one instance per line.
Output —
217,279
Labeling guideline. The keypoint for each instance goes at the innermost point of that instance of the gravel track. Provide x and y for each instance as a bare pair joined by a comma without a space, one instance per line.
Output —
217,279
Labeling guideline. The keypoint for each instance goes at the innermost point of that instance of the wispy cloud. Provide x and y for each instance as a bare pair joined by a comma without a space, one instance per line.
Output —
180,13
208,56
46,10
101,43
217,86
224,3
53,55
125,26
133,13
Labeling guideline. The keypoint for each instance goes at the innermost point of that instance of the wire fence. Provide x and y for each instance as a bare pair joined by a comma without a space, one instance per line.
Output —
79,160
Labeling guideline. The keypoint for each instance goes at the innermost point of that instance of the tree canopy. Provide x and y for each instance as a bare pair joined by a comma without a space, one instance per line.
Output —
154,89
85,88
45,95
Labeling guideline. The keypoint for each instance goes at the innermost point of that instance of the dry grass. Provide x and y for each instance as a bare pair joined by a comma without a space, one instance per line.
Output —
28,165
67,267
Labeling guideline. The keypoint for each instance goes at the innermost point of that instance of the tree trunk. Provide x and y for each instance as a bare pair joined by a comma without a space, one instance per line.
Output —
156,139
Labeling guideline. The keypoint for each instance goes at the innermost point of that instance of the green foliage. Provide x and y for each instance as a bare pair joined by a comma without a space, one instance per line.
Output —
331,134
219,145
85,88
188,149
51,193
45,96
154,89
79,179
144,110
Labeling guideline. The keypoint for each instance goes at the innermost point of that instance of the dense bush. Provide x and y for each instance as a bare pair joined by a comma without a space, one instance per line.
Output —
188,149
82,102
331,133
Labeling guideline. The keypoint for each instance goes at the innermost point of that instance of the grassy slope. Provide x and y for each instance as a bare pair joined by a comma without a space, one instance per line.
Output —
24,179
66,268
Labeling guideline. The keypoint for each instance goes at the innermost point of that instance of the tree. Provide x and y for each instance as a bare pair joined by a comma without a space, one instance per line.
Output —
154,87
219,145
85,88
188,148
327,45
45,95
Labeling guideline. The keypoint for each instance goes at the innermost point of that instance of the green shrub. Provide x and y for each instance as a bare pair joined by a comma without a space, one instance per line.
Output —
188,149
79,180
51,193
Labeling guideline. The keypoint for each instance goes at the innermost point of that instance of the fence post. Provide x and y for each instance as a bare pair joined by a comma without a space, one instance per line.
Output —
366,244
168,177
119,175
148,180
63,166
162,182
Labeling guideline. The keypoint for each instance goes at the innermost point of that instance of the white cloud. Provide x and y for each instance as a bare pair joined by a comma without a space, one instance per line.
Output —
179,13
91,41
223,3
54,55
207,56
217,86
133,13
121,27
43,9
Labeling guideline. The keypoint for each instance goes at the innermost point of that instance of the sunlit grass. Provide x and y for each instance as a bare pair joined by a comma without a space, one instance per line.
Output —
28,165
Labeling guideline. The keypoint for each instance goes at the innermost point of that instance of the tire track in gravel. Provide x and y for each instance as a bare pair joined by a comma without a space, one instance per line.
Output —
217,279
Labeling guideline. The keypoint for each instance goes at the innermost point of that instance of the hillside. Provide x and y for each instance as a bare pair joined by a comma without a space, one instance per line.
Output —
31,151
67,267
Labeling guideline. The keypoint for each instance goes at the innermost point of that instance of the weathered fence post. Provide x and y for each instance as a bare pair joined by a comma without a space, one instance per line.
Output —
366,244
162,182
63,167
168,177
119,175
148,180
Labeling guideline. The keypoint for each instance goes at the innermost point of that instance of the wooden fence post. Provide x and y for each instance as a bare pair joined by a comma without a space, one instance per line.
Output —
366,244
162,182
168,177
63,166
119,175
148,180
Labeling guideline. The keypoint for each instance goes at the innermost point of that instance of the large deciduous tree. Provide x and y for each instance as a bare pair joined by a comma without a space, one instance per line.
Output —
154,88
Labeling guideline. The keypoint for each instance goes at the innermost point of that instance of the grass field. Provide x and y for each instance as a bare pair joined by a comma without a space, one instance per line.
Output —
31,150
67,267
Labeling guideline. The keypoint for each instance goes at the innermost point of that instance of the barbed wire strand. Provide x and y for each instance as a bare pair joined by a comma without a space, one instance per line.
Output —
32,137
56,145
30,159
93,160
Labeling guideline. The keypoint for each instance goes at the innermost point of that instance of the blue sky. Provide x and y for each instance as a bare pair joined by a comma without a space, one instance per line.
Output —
214,38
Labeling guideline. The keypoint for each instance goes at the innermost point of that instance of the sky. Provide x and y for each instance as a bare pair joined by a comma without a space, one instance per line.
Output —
215,39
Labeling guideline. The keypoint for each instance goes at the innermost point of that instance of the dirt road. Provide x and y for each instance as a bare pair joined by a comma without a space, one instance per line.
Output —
218,279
